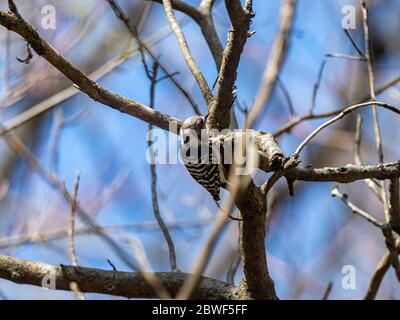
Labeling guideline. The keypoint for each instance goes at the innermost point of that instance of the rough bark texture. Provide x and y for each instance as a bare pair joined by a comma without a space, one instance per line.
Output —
256,283
125,284
219,112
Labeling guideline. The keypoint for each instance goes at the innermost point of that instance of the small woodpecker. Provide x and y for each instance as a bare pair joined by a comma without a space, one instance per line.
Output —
198,163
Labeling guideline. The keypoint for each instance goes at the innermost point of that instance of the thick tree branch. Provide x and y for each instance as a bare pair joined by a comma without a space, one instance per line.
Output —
256,283
394,210
219,113
346,174
125,284
270,156
17,24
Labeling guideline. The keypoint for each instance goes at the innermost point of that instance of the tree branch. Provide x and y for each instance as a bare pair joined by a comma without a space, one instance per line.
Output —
340,116
379,273
394,210
356,210
19,25
346,174
125,284
299,119
203,17
219,112
191,63
371,78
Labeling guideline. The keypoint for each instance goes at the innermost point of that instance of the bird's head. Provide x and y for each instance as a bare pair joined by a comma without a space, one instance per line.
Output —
192,127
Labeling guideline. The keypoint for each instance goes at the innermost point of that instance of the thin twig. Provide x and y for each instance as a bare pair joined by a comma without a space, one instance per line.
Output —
377,277
316,86
379,273
344,56
154,196
353,43
372,185
328,290
17,145
356,210
71,224
58,123
144,266
299,119
371,77
286,93
56,234
340,116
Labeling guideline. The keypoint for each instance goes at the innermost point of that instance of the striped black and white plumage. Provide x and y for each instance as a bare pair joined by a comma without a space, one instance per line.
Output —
198,163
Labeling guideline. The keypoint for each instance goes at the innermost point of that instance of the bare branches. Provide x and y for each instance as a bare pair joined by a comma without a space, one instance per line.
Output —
340,116
16,144
203,17
386,230
357,158
390,241
154,197
17,24
142,45
191,284
61,96
71,236
371,77
274,63
124,284
346,174
379,273
377,277
71,224
299,119
316,86
327,291
367,44
38,238
219,112
191,63
356,210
